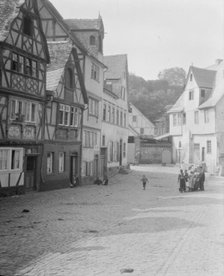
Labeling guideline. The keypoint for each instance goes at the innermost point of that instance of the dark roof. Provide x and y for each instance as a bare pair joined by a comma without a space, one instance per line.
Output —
203,77
59,53
85,24
9,9
116,64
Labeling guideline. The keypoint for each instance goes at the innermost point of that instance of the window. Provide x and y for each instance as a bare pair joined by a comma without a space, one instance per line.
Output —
202,93
118,151
124,150
110,155
17,110
61,160
30,112
117,115
15,63
69,78
74,116
90,139
50,160
113,115
196,118
64,114
184,118
95,72
179,144
92,40
206,115
191,95
93,107
104,112
125,120
174,119
134,118
3,159
209,146
191,77
103,140
109,113
88,168
28,67
15,159
179,119
121,118
141,130
27,26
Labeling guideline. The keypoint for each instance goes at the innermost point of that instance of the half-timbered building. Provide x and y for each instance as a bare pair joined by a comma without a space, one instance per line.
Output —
63,120
23,59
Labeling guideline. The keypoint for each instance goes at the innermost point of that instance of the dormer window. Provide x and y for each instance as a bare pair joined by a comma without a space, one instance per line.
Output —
191,95
92,40
27,26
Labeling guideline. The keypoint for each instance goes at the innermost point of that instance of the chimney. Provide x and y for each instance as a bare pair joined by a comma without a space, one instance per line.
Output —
218,61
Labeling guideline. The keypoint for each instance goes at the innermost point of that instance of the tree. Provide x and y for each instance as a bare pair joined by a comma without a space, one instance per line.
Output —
175,76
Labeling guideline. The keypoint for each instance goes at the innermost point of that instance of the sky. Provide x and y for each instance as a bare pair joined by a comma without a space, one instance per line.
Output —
156,34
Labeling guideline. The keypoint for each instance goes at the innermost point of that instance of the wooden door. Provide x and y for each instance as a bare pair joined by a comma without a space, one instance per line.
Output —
30,179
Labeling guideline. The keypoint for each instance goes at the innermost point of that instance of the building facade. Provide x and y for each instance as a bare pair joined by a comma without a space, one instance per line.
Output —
139,123
23,60
91,34
114,135
196,119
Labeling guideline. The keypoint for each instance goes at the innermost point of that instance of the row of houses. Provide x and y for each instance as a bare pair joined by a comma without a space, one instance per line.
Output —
196,120
63,104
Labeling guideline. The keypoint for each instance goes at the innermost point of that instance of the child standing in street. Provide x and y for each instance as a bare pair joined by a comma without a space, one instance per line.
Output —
144,179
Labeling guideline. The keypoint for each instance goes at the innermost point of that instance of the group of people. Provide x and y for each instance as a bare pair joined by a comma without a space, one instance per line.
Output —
191,180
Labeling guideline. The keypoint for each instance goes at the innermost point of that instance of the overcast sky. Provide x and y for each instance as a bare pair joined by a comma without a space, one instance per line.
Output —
156,34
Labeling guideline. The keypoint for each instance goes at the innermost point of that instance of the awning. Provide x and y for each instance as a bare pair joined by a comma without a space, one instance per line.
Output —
163,136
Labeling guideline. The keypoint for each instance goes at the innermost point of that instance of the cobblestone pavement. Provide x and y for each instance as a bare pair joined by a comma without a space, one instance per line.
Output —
102,230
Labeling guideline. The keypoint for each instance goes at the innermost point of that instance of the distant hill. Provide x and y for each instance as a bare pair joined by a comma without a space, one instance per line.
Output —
152,96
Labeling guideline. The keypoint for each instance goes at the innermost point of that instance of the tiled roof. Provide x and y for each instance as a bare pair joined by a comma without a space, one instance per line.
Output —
116,66
9,9
178,106
204,77
59,53
53,78
218,89
83,24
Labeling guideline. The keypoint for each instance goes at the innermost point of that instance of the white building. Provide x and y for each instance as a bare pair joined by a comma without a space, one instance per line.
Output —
138,123
114,135
91,33
197,119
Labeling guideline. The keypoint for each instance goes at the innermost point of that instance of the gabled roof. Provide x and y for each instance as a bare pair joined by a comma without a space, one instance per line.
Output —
178,106
203,77
134,107
9,9
85,24
116,64
60,52
218,89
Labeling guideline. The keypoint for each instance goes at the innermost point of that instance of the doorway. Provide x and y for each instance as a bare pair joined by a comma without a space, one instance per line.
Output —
73,167
30,178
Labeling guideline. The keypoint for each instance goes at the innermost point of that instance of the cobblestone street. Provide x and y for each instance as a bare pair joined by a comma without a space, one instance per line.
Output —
103,230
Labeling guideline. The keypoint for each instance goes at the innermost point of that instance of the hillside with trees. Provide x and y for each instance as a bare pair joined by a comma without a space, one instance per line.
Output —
152,96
